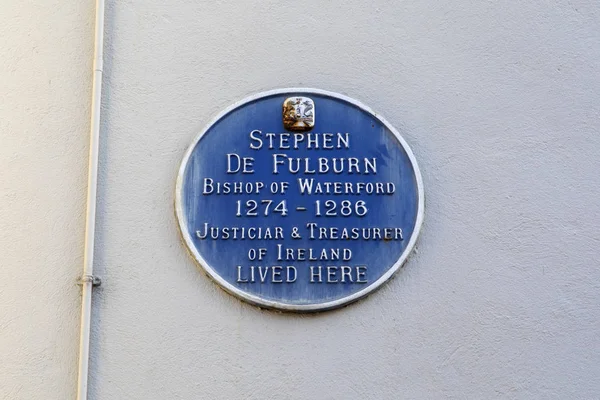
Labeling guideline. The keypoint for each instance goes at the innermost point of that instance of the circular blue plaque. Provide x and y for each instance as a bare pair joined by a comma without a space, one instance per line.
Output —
299,200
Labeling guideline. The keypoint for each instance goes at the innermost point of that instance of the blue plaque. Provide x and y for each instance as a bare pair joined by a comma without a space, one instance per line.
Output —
299,200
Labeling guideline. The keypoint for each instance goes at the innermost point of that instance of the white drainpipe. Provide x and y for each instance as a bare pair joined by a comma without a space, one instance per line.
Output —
88,279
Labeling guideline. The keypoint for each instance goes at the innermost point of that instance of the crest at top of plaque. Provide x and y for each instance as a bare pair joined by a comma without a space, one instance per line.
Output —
298,114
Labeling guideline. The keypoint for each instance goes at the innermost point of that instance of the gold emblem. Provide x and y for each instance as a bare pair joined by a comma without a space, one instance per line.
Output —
298,114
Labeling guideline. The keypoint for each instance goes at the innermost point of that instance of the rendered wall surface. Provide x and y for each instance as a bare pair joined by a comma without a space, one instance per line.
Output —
500,104
45,85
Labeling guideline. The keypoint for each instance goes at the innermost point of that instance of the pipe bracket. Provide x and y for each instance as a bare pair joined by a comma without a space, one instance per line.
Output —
95,280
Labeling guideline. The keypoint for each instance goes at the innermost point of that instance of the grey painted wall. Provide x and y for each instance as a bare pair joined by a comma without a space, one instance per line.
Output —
499,102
